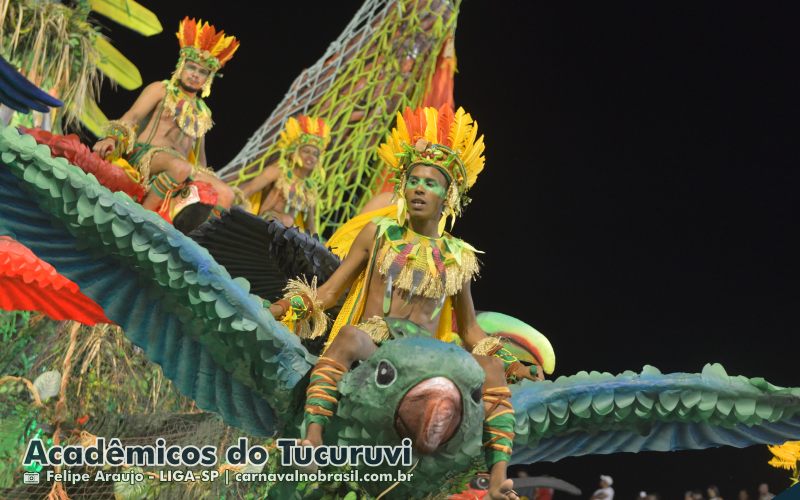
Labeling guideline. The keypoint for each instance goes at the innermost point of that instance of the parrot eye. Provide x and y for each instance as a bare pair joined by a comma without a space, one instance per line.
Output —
477,394
385,375
480,483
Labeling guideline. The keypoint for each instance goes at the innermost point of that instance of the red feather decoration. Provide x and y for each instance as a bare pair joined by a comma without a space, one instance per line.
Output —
415,123
444,121
214,40
28,283
207,33
69,146
226,53
303,120
189,32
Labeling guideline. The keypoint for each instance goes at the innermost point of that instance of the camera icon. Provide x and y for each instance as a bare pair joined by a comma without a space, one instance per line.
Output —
30,478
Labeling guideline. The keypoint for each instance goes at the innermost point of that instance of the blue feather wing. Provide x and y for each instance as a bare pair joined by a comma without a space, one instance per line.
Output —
19,94
599,413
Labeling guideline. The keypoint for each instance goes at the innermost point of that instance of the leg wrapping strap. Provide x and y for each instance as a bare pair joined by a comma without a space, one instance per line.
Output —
163,183
498,427
322,395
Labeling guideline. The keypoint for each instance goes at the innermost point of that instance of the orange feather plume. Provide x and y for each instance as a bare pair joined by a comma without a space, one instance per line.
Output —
456,131
207,40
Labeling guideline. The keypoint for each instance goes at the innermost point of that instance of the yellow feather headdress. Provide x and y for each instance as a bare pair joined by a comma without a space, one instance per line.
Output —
304,130
438,138
202,43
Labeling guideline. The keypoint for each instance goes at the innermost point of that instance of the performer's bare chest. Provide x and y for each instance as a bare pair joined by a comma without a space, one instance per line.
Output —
404,305
168,134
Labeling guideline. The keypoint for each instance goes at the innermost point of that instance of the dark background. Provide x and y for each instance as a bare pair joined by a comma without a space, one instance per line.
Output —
638,201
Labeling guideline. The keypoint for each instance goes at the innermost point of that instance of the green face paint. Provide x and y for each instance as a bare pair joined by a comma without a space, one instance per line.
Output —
428,184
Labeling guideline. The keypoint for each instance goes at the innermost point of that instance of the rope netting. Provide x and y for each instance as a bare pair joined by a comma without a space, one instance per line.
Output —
103,387
382,62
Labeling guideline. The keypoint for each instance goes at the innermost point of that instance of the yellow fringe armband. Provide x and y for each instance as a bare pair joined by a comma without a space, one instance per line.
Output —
240,199
124,134
305,315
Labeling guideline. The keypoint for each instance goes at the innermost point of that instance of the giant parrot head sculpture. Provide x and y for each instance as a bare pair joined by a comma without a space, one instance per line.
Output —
414,387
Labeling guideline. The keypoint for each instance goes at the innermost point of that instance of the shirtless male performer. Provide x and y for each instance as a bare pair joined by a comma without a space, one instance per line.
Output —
170,149
408,267
287,189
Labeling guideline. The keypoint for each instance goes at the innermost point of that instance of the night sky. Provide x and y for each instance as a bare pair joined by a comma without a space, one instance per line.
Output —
641,178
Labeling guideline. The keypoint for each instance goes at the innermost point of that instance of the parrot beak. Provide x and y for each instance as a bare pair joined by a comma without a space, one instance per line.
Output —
429,413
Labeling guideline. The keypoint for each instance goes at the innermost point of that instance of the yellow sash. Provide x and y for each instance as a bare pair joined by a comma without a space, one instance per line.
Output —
353,307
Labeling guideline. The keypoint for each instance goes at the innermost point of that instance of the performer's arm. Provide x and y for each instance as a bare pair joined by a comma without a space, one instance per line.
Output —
201,160
472,335
262,181
468,328
145,103
311,216
344,276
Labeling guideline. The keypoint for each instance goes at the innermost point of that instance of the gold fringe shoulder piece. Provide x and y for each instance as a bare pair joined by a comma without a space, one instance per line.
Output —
191,114
487,346
429,267
300,196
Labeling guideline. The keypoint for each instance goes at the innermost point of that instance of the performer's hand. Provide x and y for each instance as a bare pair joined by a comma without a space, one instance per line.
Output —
532,372
104,147
539,373
277,311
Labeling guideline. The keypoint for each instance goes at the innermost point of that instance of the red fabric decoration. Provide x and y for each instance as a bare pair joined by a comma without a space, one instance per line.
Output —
440,89
70,147
28,283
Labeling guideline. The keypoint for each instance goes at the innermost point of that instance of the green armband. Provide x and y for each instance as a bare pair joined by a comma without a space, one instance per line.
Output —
493,346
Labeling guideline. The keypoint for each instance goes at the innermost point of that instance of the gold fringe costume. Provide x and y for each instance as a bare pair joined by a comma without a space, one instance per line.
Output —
300,198
449,142
304,314
435,268
376,328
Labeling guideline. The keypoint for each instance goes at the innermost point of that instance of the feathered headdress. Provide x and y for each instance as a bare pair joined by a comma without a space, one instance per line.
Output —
441,139
304,130
202,43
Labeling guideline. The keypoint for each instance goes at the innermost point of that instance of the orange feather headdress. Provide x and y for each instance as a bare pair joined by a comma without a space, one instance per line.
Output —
202,43
438,138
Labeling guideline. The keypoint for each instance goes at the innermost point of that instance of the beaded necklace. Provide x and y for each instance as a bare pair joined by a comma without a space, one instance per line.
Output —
191,114
300,194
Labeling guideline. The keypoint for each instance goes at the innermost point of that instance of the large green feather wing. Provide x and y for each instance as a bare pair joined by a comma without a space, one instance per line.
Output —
599,413
210,335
